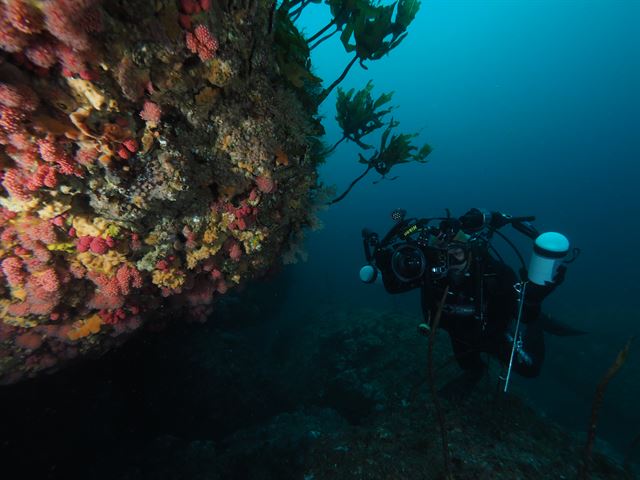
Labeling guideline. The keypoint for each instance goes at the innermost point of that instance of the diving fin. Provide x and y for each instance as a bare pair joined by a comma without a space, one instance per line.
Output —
555,327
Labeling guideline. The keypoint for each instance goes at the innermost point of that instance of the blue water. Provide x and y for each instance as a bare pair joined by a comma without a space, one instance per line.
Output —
532,108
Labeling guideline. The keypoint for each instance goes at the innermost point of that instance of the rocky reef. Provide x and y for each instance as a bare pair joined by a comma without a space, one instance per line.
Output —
342,395
154,157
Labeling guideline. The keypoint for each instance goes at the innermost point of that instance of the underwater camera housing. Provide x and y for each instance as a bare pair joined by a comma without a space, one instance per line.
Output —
408,254
415,251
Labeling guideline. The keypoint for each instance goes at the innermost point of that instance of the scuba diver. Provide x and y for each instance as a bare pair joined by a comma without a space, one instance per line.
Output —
487,308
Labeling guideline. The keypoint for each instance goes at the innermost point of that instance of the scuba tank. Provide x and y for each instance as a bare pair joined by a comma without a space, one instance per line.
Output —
549,249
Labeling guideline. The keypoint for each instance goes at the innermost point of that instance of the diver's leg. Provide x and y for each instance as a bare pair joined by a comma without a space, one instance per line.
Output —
467,356
474,368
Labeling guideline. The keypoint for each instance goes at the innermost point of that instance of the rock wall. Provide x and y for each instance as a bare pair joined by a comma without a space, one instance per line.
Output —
153,158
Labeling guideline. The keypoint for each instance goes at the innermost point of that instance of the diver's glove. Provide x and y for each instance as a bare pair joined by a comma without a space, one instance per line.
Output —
535,294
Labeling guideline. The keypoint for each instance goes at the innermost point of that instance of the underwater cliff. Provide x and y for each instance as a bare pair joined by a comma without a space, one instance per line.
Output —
155,155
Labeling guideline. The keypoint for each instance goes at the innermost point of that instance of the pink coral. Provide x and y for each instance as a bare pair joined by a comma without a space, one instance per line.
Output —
29,341
42,53
54,152
265,184
42,295
11,119
86,155
50,151
112,317
18,96
151,112
11,39
62,19
108,295
48,280
128,277
45,175
24,16
42,231
202,42
14,183
71,59
12,268
235,252
23,141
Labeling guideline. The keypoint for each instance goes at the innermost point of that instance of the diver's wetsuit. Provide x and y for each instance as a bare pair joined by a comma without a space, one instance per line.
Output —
490,331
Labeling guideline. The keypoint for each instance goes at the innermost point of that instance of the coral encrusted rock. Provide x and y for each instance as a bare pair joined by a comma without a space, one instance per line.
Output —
153,159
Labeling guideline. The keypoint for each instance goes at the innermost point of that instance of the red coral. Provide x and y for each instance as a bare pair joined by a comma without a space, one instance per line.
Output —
151,112
185,21
124,153
98,245
89,75
189,6
131,144
162,265
83,244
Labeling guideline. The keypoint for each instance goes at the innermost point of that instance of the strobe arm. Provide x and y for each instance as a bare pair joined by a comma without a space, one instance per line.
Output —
524,226
369,240
521,224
